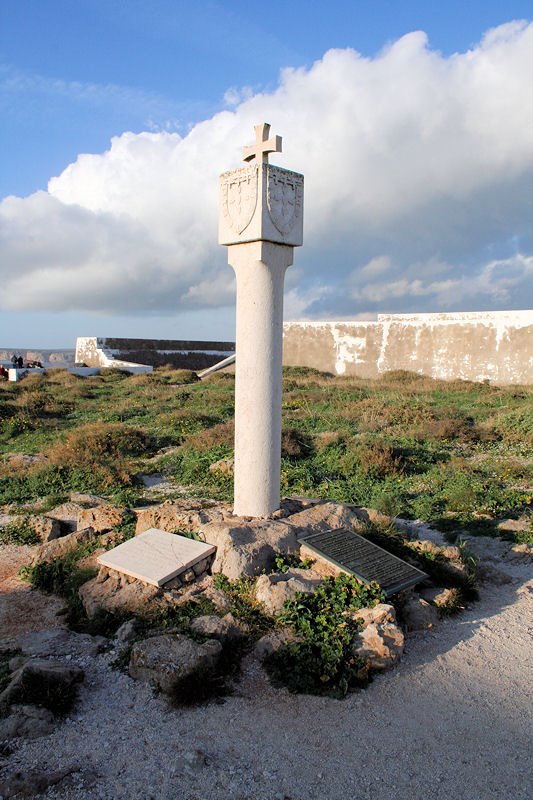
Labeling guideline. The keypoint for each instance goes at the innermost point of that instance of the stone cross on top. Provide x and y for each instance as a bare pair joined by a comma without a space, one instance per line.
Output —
263,145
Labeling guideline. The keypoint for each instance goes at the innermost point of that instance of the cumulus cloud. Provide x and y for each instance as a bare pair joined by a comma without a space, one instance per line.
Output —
418,173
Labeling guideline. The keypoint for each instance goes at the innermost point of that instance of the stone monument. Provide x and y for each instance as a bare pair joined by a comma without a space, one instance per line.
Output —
261,221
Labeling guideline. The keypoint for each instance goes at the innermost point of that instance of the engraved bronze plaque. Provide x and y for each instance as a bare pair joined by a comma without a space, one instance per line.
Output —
364,560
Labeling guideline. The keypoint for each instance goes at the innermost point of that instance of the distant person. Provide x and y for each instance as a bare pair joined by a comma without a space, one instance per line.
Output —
3,372
20,362
14,360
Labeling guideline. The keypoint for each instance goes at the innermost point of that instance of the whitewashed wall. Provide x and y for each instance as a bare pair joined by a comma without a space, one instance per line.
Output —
495,346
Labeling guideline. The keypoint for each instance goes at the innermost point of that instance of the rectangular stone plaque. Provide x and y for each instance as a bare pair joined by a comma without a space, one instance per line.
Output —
364,560
156,556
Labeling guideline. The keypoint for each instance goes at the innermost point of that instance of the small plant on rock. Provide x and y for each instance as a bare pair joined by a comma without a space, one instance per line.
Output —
285,561
322,660
19,532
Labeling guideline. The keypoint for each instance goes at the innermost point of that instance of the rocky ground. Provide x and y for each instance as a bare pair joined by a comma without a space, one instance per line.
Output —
452,720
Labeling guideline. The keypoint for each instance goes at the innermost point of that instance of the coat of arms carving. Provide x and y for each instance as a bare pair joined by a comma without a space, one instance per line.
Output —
284,198
239,197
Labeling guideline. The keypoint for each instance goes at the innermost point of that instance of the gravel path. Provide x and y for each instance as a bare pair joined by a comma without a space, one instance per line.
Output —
452,721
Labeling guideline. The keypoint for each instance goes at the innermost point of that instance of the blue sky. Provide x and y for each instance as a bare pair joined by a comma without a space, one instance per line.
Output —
165,77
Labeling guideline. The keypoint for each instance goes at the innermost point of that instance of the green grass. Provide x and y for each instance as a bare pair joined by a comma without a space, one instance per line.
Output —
404,444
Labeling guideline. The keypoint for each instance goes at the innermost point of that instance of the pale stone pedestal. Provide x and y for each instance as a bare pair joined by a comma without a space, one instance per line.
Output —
260,269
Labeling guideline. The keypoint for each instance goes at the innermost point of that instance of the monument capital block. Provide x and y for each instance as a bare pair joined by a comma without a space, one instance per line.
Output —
261,202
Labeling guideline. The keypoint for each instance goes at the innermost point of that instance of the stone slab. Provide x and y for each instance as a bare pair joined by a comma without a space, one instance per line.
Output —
351,553
156,556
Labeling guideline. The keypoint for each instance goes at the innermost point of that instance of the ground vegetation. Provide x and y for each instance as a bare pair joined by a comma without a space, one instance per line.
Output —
455,454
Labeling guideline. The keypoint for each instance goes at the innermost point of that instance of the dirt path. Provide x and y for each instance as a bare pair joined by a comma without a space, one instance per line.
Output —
23,610
452,721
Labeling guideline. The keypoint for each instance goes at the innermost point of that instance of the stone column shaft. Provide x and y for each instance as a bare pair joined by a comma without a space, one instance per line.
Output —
260,271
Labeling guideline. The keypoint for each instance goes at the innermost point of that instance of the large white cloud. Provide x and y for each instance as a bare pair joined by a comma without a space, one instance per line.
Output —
419,193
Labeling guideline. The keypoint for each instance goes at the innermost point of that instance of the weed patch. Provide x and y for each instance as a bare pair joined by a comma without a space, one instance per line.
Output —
19,532
322,661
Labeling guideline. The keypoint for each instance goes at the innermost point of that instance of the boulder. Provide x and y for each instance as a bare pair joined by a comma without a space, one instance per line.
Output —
117,594
67,515
224,466
45,527
437,596
272,642
26,722
523,523
380,646
179,515
273,590
218,597
51,684
170,661
322,517
101,518
224,628
58,548
378,615
248,547
127,632
419,615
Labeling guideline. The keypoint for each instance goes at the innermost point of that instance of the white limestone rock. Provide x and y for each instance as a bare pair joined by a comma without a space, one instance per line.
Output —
248,547
377,615
272,642
222,628
42,681
117,594
58,642
169,660
67,515
419,615
322,517
101,518
60,547
380,646
273,590
180,515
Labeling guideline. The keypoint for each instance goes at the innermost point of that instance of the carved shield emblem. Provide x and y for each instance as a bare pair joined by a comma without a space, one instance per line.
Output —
239,197
284,198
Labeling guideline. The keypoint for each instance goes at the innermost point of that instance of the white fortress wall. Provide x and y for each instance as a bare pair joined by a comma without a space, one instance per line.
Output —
495,346
92,351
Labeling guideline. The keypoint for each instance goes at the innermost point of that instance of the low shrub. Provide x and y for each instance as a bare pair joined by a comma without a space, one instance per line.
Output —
99,455
285,561
244,605
295,443
431,561
19,532
63,577
376,459
322,660
221,434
